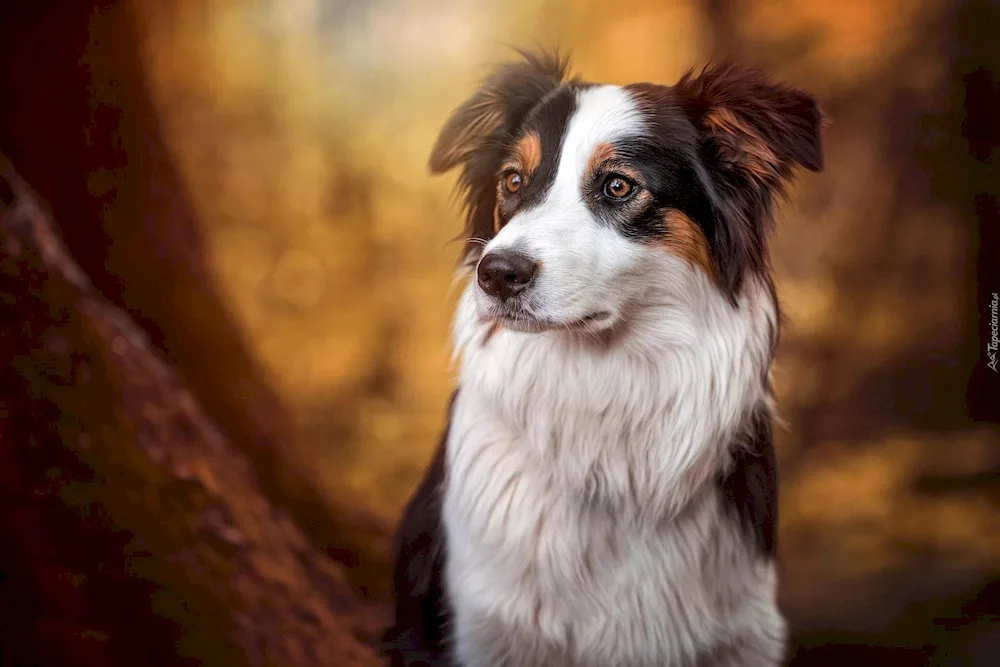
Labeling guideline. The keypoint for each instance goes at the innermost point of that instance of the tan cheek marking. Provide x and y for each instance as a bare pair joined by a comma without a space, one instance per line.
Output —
686,240
743,145
529,152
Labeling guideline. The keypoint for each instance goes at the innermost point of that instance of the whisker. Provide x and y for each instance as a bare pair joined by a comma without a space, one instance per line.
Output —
473,239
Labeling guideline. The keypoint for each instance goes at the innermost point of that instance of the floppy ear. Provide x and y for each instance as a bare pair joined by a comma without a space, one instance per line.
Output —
477,133
753,133
499,105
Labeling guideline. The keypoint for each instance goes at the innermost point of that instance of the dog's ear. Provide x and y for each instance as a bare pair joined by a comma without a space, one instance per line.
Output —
496,109
756,129
753,132
479,131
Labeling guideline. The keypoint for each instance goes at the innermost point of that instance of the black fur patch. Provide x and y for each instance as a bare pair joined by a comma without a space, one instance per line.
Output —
750,488
667,163
417,636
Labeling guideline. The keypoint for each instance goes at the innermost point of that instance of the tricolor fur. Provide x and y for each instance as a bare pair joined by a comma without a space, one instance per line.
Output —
605,492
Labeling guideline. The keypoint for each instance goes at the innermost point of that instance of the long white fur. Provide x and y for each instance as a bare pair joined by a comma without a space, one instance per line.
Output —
582,524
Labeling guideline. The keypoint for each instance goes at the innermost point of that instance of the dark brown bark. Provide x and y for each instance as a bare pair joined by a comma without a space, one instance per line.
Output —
77,120
147,491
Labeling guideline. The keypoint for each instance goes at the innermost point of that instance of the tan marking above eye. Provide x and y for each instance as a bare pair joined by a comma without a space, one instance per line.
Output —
528,152
603,153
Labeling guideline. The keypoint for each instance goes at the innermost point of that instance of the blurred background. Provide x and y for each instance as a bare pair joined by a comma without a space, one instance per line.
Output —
293,260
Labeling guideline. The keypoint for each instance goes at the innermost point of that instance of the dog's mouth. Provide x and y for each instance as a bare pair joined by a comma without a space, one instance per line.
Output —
594,318
520,320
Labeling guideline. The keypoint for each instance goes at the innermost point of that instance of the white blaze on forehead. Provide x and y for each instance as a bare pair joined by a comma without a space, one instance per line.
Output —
604,114
587,267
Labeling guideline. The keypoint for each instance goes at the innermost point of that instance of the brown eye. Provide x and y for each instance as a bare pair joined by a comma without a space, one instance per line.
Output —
512,182
618,187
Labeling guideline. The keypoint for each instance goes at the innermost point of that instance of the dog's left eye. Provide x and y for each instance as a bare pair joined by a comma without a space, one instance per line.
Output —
618,187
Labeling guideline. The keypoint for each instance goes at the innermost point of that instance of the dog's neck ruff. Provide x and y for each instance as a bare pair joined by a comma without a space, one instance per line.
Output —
583,519
639,423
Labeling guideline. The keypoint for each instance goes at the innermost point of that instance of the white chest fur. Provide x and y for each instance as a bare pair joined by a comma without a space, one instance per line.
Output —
583,527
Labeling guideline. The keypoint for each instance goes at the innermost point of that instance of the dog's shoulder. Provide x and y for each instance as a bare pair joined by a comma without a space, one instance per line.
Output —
749,485
421,609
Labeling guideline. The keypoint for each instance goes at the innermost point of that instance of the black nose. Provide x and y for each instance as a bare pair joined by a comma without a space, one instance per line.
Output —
504,273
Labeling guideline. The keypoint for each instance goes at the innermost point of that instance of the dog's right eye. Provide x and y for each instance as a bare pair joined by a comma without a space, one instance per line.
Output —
618,187
511,181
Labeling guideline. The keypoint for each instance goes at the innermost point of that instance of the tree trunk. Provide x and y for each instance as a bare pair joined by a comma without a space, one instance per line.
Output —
139,533
77,121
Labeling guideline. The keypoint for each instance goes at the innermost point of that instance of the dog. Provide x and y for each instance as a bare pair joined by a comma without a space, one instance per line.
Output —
605,492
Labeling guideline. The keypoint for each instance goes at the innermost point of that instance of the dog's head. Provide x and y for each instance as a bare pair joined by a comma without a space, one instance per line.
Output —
582,198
